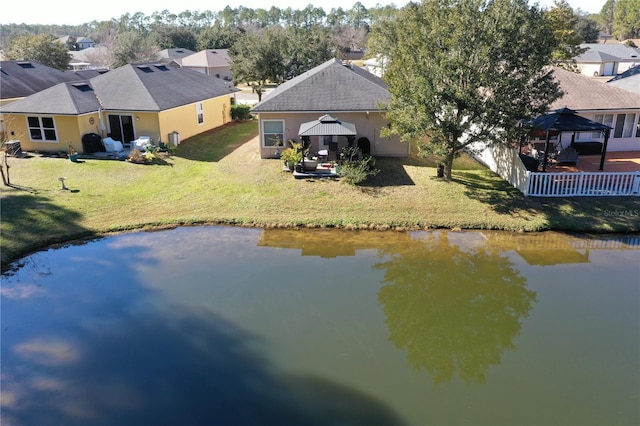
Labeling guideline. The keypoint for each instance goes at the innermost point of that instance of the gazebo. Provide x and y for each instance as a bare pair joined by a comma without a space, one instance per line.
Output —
567,120
327,126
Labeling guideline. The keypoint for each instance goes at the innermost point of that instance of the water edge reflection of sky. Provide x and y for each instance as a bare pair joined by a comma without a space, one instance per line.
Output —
247,326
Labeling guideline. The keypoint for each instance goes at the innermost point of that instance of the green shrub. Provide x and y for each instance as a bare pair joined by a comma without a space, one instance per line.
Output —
240,112
357,170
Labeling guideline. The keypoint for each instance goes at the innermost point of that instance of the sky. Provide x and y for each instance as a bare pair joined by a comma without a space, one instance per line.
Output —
54,12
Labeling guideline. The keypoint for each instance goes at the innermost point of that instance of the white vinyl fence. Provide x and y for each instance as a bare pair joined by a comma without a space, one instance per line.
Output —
507,164
504,161
583,184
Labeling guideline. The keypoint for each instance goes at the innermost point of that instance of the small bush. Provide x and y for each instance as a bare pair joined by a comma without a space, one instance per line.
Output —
356,171
240,112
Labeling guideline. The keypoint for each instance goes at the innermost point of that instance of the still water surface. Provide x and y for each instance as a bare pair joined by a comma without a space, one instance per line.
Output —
234,326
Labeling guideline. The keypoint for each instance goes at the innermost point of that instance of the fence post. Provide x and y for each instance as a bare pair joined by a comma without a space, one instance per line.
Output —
636,183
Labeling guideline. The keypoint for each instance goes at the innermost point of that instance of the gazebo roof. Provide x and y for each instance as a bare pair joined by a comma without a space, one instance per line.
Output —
565,120
327,126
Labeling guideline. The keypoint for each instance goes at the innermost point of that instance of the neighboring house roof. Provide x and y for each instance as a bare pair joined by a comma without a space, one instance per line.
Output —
208,58
64,39
141,87
72,98
87,74
582,93
154,87
330,86
96,56
628,80
19,79
607,52
174,53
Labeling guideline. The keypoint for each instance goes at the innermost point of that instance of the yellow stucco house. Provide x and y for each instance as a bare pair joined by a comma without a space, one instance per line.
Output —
162,103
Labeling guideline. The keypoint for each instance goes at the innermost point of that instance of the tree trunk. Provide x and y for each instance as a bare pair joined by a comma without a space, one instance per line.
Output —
5,165
448,165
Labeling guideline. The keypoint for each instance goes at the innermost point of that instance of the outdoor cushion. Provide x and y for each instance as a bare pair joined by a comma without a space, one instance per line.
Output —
108,144
111,145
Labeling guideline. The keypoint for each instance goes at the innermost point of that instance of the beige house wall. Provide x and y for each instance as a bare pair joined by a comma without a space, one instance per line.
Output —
368,125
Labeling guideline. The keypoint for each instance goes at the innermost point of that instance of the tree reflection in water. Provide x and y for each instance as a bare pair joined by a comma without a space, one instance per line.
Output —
451,309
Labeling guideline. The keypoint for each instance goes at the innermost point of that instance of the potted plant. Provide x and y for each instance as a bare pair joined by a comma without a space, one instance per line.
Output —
291,156
73,155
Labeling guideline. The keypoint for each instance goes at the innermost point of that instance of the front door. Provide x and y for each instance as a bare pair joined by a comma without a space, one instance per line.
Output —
121,128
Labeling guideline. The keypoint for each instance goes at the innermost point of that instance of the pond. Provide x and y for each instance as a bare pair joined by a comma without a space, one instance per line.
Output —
240,326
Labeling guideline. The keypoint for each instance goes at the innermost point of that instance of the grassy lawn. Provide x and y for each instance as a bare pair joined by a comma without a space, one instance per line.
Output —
218,178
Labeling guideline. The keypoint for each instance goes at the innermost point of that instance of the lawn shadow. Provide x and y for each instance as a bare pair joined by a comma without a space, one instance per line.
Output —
391,173
490,189
23,229
605,214
216,144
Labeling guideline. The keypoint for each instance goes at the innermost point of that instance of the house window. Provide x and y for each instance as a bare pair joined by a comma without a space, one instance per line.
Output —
200,113
42,129
624,125
606,119
273,132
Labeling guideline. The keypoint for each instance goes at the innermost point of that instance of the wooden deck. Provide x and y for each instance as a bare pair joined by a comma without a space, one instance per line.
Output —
623,161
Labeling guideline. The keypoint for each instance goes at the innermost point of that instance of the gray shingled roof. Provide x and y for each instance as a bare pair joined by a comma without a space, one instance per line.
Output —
584,93
600,52
210,58
128,88
72,98
628,73
330,86
628,80
19,79
148,87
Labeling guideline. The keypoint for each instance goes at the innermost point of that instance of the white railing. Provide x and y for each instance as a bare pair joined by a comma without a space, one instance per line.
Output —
583,184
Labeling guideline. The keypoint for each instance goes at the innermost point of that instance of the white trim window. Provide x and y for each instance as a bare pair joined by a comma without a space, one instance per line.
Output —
606,119
624,126
200,113
272,133
42,129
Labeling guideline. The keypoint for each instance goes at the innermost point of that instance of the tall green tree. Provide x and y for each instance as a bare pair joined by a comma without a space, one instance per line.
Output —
465,71
564,23
43,48
626,19
587,27
216,37
130,47
168,37
606,16
276,54
256,58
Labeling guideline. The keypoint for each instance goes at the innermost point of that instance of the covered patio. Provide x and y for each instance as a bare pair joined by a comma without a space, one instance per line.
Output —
555,153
